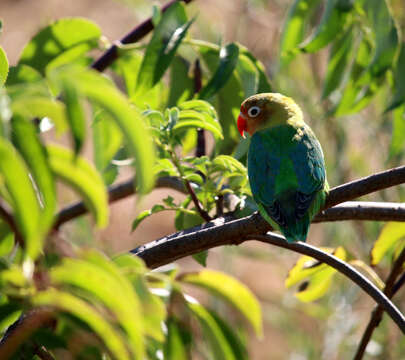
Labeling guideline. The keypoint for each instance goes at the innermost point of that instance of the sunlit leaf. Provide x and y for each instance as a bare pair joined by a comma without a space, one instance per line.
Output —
6,239
318,275
162,47
102,279
27,142
75,114
232,291
25,203
228,59
129,120
397,145
294,26
146,213
193,119
53,40
32,107
3,66
389,237
83,177
70,304
331,23
22,74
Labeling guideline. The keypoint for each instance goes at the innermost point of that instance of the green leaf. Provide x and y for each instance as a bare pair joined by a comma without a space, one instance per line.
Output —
385,33
390,235
24,200
129,120
294,27
193,119
83,311
174,347
162,47
232,291
228,164
221,349
338,60
248,74
231,336
83,177
399,81
201,257
75,114
3,66
146,213
264,83
57,38
26,140
9,313
107,139
398,132
181,84
228,59
331,23
32,107
318,275
22,74
6,240
102,279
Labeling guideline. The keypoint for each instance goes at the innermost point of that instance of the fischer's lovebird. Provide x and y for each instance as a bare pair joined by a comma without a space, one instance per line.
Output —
286,167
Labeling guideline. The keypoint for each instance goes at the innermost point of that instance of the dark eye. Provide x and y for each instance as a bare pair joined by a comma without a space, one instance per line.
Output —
254,111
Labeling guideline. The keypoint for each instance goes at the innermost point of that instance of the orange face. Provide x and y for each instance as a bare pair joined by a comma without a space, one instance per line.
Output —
250,117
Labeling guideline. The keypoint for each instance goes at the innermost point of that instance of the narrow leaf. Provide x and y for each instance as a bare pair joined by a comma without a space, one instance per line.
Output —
232,291
399,81
25,203
3,66
194,119
294,27
83,311
386,242
181,84
397,145
26,140
81,175
228,59
109,286
332,22
75,114
162,47
212,332
248,74
174,347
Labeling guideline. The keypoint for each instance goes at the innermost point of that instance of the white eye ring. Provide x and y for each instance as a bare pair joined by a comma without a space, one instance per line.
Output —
254,111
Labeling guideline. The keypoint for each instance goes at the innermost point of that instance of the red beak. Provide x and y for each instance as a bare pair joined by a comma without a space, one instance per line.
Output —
242,125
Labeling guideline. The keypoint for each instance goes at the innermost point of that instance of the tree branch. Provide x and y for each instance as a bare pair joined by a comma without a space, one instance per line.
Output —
376,315
135,35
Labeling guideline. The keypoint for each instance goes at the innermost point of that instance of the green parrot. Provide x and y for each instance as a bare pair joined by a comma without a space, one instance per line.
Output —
286,167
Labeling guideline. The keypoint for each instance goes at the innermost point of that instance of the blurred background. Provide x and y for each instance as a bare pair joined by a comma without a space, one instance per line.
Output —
354,146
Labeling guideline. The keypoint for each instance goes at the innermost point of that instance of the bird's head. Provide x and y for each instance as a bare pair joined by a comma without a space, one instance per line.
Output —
266,110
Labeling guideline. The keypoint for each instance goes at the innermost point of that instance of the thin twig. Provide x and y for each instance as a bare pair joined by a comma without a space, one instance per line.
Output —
196,202
200,148
135,35
376,315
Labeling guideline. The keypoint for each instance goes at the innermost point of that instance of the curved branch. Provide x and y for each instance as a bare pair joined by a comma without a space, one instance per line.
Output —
381,299
135,35
376,315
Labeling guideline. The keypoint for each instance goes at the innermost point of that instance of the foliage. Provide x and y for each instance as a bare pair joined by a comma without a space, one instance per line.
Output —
116,307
